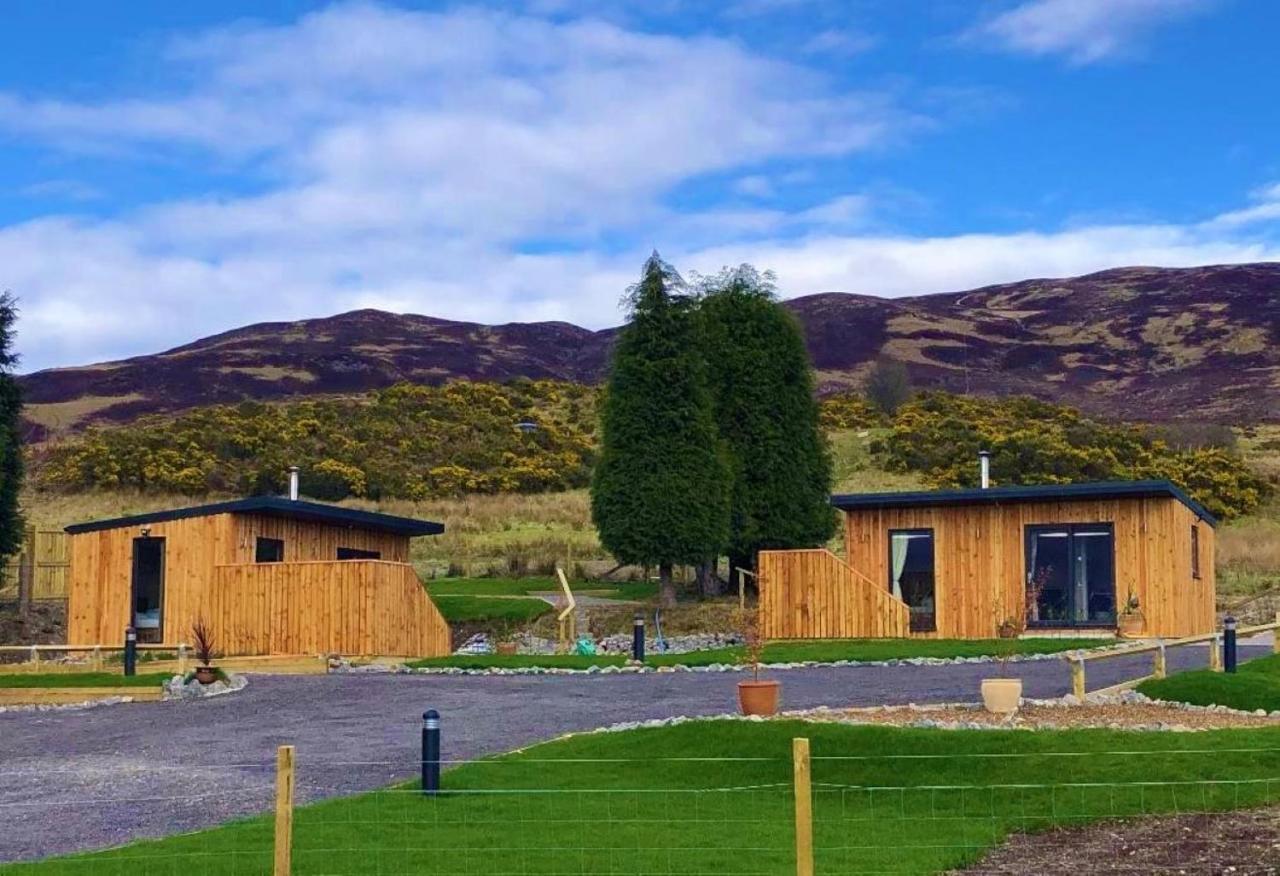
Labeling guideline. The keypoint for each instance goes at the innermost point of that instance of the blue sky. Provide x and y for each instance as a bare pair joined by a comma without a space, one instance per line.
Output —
169,170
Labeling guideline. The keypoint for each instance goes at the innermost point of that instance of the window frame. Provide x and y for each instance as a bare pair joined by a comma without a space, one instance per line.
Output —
1195,551
933,566
277,544
357,554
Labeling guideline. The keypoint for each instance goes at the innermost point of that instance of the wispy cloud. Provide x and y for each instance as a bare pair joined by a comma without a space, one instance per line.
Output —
1083,31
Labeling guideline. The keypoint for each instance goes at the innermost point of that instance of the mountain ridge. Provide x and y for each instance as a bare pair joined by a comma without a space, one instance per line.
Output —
1140,343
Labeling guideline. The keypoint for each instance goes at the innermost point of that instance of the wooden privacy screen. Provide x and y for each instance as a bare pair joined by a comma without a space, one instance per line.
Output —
813,594
51,559
325,607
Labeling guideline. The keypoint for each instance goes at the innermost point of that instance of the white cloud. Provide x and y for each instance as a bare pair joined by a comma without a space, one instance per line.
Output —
839,41
1266,207
483,166
1084,31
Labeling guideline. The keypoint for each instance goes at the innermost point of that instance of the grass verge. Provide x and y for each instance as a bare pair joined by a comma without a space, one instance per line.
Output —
630,590
82,679
715,797
491,608
1255,685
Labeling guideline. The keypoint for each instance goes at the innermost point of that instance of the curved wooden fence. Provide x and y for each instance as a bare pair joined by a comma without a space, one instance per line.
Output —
354,607
813,594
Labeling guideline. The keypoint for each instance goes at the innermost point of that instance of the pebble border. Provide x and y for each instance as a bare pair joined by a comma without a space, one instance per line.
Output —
631,669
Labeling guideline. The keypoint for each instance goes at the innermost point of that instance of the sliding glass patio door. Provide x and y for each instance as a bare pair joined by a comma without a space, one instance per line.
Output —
1071,575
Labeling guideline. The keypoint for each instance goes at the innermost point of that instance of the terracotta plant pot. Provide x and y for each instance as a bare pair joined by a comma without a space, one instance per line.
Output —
506,648
1002,696
206,674
1131,626
758,697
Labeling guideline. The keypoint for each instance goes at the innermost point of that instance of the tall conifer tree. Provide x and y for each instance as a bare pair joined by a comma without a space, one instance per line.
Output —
11,523
660,491
762,388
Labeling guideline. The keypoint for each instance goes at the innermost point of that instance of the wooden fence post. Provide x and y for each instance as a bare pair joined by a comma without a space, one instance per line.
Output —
1275,635
95,660
284,811
182,660
804,807
1161,667
1215,653
1077,678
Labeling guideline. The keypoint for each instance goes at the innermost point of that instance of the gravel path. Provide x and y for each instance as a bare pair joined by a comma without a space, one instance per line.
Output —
75,780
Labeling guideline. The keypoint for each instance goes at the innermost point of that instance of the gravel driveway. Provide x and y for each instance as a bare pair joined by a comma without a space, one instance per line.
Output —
75,780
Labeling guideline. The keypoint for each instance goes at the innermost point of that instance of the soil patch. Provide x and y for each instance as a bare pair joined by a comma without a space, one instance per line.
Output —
48,624
1246,842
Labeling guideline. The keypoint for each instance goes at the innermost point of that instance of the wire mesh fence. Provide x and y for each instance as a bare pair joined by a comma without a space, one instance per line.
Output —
876,812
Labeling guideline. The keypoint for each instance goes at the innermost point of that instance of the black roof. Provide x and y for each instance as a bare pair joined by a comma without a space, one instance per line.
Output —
277,506
1023,493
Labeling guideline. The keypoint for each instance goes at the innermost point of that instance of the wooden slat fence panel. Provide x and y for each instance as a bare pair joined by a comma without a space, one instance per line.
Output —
52,561
813,594
358,607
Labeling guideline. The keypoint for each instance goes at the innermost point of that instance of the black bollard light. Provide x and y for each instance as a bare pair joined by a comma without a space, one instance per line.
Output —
1229,644
637,638
130,651
430,752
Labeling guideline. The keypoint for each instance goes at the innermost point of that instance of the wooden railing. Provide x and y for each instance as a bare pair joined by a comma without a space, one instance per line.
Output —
95,660
1158,649
353,607
813,594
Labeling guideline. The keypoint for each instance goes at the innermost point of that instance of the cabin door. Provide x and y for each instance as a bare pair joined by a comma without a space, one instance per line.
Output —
148,589
1071,575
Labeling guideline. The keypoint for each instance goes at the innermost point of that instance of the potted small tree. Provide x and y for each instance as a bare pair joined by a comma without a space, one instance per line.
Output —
1131,624
205,647
1002,695
755,697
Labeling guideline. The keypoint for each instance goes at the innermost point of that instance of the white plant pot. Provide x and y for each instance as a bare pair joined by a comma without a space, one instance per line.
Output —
1002,696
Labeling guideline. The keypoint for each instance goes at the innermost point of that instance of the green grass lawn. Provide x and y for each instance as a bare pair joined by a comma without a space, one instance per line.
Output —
818,651
83,679
491,608
715,798
630,590
1255,685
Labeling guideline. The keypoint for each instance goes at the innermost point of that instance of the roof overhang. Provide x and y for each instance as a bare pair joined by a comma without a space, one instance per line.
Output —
1023,493
275,506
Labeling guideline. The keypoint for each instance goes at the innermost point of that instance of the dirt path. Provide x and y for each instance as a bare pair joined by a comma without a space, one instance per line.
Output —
1240,843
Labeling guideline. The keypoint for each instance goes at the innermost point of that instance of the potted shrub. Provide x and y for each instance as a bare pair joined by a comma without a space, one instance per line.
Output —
205,647
755,697
1003,695
1131,622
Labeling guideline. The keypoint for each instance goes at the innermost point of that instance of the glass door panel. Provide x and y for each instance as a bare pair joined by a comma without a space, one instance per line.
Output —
1070,575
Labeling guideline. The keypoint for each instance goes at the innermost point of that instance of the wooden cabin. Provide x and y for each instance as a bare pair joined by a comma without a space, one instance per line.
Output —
269,575
1063,559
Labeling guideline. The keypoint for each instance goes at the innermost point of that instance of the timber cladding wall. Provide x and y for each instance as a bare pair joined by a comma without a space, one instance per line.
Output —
311,602
980,557
813,594
347,607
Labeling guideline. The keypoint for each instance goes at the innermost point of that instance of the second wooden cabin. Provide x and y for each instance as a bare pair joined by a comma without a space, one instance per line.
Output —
269,575
1059,559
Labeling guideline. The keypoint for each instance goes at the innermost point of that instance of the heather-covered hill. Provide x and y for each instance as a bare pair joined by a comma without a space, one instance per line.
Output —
1136,343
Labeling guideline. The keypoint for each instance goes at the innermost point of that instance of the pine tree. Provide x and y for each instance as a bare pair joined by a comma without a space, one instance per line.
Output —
659,495
11,522
762,388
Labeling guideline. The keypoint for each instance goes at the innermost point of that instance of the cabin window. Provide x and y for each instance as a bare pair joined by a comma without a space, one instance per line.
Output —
346,553
911,577
269,550
1195,550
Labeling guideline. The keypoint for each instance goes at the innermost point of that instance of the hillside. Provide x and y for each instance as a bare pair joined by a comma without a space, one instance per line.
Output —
1135,343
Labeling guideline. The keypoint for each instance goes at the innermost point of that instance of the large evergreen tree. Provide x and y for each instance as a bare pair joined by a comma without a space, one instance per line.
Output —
659,495
11,523
762,389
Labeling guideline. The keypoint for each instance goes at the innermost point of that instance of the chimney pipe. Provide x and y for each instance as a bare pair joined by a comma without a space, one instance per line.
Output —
984,465
293,483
